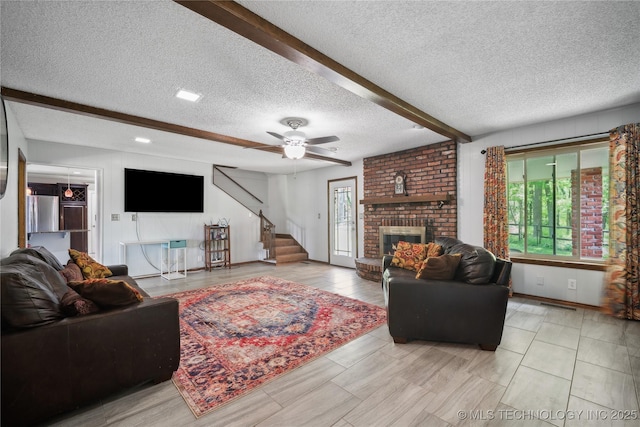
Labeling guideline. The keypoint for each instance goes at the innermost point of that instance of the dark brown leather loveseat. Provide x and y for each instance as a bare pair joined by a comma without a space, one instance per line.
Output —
52,364
469,309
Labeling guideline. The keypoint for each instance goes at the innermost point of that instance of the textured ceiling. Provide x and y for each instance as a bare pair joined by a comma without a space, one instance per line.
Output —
479,67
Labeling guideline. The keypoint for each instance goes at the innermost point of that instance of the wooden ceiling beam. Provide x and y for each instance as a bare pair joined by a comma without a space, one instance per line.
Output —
101,113
251,26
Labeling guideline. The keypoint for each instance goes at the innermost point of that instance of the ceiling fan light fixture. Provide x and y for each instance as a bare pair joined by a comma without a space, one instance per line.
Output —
294,152
295,136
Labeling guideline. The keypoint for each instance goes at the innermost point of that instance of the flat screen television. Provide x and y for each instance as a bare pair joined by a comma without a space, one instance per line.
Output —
153,191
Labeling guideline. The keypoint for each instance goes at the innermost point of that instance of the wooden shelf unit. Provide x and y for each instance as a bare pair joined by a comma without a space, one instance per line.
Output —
217,246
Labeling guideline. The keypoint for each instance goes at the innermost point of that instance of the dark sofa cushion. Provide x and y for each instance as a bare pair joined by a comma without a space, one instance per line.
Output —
41,253
476,264
27,299
53,279
447,243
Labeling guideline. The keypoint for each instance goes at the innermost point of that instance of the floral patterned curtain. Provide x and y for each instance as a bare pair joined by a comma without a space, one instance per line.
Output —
622,298
496,229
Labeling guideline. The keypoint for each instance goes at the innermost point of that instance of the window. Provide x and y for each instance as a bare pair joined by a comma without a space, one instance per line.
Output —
558,202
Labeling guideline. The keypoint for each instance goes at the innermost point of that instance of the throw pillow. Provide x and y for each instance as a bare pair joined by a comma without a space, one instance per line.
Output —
73,304
433,250
71,272
439,268
91,269
107,293
409,255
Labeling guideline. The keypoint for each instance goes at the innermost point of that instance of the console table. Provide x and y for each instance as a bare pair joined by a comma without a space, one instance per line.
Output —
170,273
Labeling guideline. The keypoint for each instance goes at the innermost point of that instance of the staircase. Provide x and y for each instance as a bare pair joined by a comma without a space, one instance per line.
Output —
288,250
279,248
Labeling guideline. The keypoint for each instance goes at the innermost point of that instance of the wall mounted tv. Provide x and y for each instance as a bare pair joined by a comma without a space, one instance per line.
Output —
152,191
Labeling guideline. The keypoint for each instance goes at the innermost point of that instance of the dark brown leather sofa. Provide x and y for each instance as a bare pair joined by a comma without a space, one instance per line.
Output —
62,363
469,309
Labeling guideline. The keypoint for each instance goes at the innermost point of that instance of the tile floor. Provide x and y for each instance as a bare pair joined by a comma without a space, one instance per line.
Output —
555,366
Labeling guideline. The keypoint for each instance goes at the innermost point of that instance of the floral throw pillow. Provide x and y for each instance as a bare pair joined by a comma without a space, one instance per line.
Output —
409,255
439,268
91,269
433,250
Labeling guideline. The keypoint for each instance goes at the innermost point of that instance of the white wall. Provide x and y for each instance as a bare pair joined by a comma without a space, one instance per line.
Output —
153,226
276,210
9,203
471,200
296,200
307,199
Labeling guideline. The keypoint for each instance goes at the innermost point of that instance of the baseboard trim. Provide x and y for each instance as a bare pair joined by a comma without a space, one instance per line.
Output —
558,302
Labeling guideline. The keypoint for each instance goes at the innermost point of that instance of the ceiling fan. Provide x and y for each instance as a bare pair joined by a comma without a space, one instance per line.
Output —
296,143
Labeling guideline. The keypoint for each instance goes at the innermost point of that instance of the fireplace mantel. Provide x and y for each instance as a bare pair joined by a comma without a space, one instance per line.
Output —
405,199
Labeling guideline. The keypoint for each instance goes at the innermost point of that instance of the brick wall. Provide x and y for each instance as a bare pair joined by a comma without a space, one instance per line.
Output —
591,231
430,169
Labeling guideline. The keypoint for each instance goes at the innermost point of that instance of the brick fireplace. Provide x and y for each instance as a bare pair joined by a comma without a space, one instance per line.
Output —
393,231
431,196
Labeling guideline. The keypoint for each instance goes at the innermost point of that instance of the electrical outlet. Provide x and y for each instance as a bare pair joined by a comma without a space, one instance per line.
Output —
199,258
134,217
115,217
572,284
540,281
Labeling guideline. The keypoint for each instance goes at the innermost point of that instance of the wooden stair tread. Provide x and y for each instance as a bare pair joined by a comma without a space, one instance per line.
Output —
282,250
287,249
300,256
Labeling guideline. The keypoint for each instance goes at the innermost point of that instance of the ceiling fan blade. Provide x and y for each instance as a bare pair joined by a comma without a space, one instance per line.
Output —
264,147
321,151
322,140
280,137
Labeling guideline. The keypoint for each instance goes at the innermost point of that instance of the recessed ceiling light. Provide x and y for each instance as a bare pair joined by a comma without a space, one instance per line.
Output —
76,172
189,96
143,140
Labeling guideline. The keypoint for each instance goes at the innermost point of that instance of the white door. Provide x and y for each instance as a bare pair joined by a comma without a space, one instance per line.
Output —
343,243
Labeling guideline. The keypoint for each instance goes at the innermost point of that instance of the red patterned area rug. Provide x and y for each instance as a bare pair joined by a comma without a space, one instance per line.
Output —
238,336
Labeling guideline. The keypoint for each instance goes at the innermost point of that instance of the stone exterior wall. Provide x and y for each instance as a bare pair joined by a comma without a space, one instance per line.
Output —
430,169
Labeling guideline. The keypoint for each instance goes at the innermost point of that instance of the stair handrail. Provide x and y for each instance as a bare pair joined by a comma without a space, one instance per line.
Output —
268,235
237,184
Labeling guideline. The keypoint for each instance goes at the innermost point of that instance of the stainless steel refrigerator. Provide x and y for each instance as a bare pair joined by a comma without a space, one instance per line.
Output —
43,214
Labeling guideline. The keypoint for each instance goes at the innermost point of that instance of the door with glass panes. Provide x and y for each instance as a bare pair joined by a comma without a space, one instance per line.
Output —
343,241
